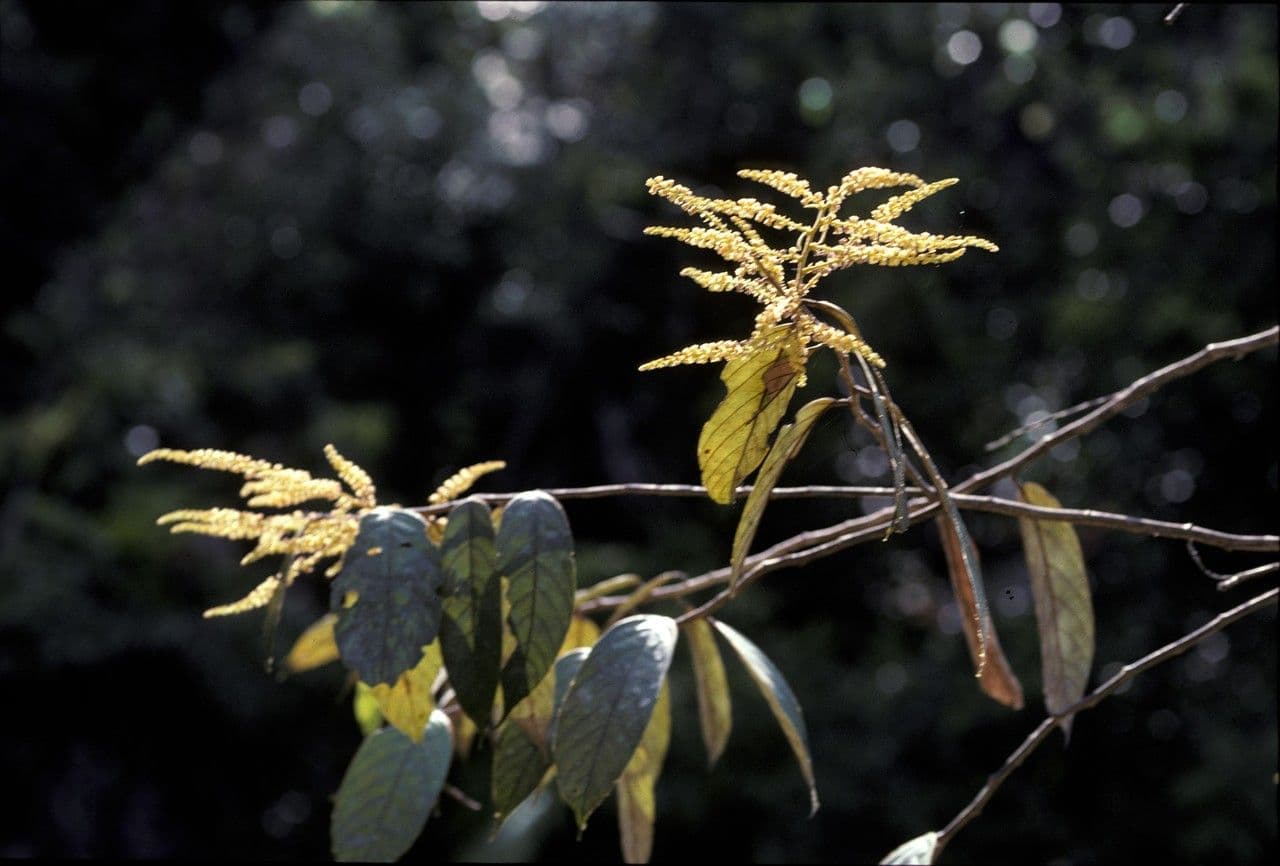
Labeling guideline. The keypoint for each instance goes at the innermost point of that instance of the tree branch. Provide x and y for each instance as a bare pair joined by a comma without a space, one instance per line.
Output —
1126,673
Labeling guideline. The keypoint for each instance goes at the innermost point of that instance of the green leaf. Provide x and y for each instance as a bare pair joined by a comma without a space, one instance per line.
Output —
535,713
892,434
518,767
388,790
715,710
786,709
919,851
786,446
567,667
471,628
637,806
736,436
407,703
1064,605
395,575
535,554
996,678
607,708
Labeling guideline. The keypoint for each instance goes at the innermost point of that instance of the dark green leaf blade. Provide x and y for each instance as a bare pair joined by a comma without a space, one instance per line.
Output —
535,554
786,446
607,707
388,790
471,628
518,767
395,572
786,709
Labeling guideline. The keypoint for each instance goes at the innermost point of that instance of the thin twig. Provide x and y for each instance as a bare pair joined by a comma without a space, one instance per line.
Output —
997,444
1126,673
1231,581
1174,13
457,794
1122,399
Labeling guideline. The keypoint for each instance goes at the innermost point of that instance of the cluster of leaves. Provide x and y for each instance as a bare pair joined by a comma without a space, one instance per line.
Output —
464,625
762,373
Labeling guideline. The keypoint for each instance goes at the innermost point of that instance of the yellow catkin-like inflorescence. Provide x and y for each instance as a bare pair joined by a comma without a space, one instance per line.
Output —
304,539
781,277
460,482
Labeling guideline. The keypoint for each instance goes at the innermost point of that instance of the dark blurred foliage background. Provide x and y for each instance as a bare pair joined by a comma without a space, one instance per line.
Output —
415,231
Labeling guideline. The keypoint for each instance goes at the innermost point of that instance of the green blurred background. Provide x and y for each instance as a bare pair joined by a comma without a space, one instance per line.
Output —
415,231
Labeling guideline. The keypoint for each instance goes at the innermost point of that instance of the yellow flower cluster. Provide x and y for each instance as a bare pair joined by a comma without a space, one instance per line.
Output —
460,482
781,278
304,538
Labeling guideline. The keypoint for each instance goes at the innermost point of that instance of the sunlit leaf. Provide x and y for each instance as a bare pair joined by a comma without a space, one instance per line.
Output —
407,703
637,807
388,790
642,594
786,446
566,668
1064,605
736,437
534,713
535,554
582,632
396,576
607,708
471,627
314,647
786,709
715,710
996,678
365,708
518,766
919,851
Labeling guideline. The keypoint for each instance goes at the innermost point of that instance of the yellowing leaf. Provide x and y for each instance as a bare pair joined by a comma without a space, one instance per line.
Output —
407,703
996,678
786,709
637,807
1064,606
314,647
582,632
715,712
365,708
736,437
790,440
